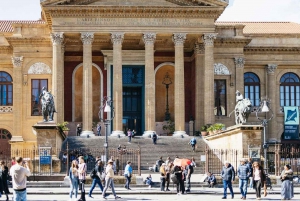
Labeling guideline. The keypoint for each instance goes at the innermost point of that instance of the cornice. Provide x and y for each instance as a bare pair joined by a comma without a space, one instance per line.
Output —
131,12
13,41
232,42
266,50
6,50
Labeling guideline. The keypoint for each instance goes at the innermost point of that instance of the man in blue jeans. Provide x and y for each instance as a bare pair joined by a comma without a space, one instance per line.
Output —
243,173
97,178
228,176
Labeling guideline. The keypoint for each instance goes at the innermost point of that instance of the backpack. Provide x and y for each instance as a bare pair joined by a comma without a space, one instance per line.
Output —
154,136
93,174
174,178
193,141
191,169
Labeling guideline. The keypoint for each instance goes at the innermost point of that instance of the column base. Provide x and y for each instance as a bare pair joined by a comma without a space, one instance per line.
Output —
180,134
117,134
87,134
17,139
148,134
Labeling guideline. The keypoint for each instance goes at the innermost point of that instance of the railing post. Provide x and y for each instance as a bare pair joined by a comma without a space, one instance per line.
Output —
206,158
67,158
139,161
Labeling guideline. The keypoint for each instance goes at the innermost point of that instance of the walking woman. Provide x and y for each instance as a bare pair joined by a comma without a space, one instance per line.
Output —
168,171
109,179
180,184
73,175
259,179
287,189
163,176
128,175
81,175
4,177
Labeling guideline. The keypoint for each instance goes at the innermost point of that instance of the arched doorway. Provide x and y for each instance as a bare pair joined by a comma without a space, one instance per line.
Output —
5,137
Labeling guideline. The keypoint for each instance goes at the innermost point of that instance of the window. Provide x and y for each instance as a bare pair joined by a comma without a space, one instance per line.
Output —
6,89
252,88
36,89
5,134
289,90
220,97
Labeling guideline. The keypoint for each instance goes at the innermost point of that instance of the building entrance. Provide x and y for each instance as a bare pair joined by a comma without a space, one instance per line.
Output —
132,109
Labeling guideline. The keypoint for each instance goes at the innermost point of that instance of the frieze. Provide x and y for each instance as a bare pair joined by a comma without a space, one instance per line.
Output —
148,22
6,109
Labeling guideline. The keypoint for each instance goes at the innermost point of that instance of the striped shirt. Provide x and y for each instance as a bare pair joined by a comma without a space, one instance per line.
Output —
82,171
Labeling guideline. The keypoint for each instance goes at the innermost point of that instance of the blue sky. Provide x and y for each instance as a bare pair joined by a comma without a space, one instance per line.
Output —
238,10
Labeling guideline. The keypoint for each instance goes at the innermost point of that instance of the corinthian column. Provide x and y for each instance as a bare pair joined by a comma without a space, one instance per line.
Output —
209,117
87,39
239,73
58,76
199,50
149,39
17,135
179,39
272,131
117,40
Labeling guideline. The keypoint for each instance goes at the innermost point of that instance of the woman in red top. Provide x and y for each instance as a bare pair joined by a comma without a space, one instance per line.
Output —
13,161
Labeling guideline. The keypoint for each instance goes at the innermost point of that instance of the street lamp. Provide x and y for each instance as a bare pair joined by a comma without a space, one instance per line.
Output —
264,107
167,81
107,108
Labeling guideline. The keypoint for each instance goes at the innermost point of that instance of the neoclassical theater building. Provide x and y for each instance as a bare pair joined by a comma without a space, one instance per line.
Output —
157,60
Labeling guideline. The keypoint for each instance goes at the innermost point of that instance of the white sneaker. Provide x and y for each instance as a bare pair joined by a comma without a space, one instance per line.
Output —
150,186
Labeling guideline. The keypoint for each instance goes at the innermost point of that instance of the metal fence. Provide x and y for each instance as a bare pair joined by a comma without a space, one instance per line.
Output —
61,159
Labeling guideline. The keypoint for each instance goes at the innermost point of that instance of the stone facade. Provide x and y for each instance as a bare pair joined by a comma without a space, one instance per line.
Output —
83,56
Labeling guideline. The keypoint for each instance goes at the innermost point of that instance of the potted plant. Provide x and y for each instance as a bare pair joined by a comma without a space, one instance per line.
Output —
63,127
215,128
204,130
169,127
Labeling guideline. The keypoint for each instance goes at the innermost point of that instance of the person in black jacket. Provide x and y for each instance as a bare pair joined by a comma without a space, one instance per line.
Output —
179,175
96,178
4,178
228,175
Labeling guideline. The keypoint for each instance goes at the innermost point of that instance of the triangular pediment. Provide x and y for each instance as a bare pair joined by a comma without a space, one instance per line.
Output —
166,3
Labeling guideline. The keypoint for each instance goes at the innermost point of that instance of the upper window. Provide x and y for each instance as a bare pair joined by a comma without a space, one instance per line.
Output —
220,97
36,90
252,88
6,89
289,90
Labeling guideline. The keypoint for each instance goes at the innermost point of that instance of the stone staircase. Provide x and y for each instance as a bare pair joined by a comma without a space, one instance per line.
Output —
166,146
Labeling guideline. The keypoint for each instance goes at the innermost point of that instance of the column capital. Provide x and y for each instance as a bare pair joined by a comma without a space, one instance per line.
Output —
149,38
209,39
179,38
199,48
17,61
271,68
239,62
87,38
117,38
57,38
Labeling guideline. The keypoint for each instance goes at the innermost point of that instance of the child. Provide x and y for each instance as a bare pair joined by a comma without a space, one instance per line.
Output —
149,181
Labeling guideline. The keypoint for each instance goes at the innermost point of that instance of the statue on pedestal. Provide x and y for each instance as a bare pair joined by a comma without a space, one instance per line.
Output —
47,102
242,109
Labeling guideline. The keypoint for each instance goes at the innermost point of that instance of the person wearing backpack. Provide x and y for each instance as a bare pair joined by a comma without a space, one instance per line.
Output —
177,176
96,176
193,143
154,138
189,172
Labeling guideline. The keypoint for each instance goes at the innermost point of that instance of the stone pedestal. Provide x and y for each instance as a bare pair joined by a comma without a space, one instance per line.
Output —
237,137
180,134
49,135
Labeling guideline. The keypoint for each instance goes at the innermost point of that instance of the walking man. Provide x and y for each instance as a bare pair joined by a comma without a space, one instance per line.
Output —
128,174
228,176
96,176
98,129
189,172
249,164
243,174
193,143
19,173
154,138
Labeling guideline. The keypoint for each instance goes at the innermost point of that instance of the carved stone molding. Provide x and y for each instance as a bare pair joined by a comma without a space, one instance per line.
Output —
239,62
221,69
87,38
117,38
179,38
39,68
209,39
199,48
17,61
149,38
271,68
57,38
6,109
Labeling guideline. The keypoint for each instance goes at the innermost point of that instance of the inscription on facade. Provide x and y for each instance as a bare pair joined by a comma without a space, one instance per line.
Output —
132,22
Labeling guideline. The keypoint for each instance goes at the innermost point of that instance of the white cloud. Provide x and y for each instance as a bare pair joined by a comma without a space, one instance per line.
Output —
262,10
20,10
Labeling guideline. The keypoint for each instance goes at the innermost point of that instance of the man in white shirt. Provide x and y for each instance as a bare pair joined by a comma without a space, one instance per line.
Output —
19,173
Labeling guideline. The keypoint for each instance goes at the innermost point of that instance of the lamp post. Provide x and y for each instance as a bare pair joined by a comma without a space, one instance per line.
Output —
167,81
265,107
107,108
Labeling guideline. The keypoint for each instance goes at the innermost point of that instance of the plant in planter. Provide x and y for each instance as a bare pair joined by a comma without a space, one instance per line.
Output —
204,130
63,127
215,128
169,127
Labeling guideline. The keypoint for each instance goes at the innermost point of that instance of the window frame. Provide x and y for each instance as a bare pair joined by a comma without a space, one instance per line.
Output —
8,93
247,87
38,105
288,87
216,97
